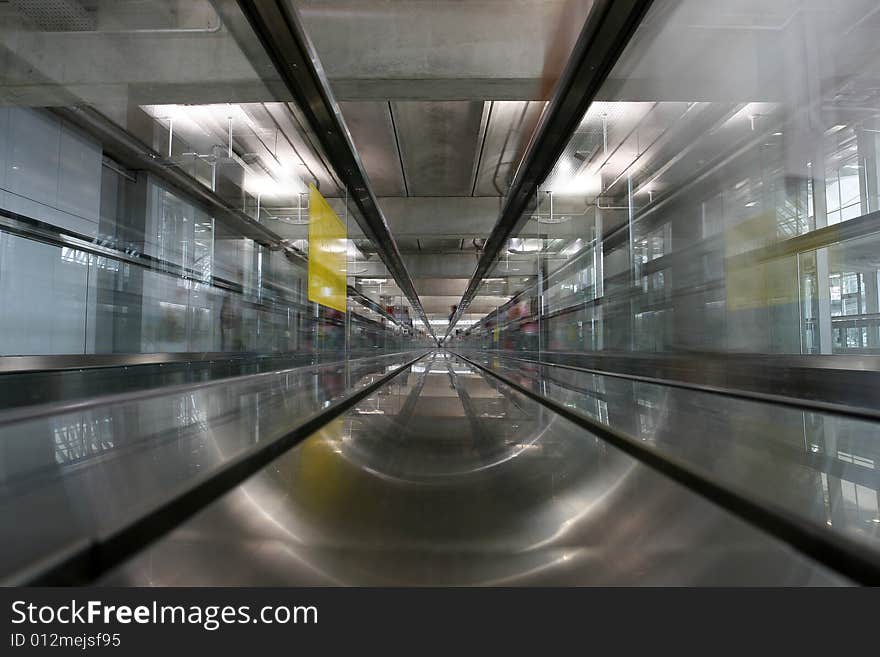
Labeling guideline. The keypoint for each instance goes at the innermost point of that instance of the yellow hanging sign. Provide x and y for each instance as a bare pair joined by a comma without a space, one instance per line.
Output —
327,251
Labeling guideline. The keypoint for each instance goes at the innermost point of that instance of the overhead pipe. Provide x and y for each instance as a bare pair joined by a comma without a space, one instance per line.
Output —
132,152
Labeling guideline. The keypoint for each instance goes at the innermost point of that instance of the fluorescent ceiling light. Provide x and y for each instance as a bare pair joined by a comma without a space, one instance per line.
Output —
572,248
353,251
444,322
282,179
525,245
283,184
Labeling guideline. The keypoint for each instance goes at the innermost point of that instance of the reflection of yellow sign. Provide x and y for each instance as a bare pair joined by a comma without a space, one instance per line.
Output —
757,284
327,250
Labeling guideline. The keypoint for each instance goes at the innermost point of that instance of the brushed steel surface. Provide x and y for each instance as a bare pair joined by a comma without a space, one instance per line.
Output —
840,379
819,467
78,475
441,478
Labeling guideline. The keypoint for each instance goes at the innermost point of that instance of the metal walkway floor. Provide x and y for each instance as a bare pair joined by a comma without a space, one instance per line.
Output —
447,476
429,469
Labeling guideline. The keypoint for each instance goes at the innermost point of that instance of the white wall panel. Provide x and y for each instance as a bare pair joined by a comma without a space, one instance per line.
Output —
79,175
33,158
44,298
48,171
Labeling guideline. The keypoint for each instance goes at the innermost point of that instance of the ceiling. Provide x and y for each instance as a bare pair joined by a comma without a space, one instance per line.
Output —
441,99
441,114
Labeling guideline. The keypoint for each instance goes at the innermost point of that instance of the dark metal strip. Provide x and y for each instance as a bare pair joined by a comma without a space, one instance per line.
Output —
12,365
838,552
398,149
809,405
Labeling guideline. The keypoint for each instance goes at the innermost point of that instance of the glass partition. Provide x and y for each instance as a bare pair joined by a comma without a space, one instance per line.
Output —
720,194
154,192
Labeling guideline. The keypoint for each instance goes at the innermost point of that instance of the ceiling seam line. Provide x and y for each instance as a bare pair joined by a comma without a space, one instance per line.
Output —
399,151
479,163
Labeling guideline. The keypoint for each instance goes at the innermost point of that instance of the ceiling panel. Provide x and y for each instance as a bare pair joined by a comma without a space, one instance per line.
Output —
442,305
510,126
373,134
438,142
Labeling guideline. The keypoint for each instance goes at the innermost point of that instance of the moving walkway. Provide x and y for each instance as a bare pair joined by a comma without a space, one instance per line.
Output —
220,289
435,468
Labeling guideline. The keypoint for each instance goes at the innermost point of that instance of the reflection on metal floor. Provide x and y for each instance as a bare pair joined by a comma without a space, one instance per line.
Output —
84,483
446,476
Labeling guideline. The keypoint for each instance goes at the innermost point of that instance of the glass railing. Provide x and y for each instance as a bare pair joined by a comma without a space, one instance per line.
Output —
187,186
720,195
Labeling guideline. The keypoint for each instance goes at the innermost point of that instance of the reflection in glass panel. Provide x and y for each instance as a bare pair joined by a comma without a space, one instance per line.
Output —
153,178
718,195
